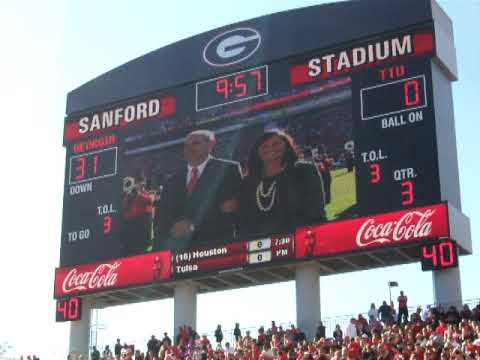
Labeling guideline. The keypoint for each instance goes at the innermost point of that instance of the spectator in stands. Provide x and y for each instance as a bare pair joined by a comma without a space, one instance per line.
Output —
218,334
237,332
106,351
426,312
153,345
416,316
368,352
262,337
166,341
362,325
466,313
229,350
452,315
385,312
126,354
117,349
338,334
138,355
351,331
402,308
476,313
374,325
320,333
441,328
413,341
353,348
278,193
273,328
393,312
373,311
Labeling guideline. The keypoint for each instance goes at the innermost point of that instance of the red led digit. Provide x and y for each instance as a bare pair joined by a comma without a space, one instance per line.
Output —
222,87
430,255
240,84
62,307
73,309
95,164
80,168
107,224
258,75
407,89
443,261
407,194
375,173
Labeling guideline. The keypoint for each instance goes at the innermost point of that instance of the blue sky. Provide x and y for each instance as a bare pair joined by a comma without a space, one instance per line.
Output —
48,49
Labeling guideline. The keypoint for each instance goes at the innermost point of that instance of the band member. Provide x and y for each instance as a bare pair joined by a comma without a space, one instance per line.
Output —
279,193
324,163
349,161
198,203
138,215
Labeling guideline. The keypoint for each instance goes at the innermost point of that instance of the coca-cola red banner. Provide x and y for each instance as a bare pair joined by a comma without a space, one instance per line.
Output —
338,237
118,273
382,230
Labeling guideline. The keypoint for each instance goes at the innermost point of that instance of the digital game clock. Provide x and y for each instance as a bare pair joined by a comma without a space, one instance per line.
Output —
231,88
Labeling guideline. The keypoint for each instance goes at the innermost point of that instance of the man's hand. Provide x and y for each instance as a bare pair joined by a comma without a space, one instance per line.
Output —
182,228
229,206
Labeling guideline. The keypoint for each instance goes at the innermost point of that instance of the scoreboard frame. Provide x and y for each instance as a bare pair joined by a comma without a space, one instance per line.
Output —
152,87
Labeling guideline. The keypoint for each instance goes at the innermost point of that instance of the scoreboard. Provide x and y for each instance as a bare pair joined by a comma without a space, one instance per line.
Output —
358,112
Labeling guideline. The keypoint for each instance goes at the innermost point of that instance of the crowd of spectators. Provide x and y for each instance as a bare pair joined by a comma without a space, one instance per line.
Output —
434,333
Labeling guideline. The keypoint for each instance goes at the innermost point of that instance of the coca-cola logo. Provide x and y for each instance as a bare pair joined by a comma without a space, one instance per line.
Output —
412,225
103,276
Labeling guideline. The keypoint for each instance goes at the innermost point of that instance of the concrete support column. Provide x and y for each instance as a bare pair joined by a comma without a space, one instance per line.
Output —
447,288
184,306
80,331
307,286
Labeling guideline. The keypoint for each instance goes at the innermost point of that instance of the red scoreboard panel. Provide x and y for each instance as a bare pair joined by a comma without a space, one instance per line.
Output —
358,118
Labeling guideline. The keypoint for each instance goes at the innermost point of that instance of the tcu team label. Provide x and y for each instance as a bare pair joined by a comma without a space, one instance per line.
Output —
118,273
382,230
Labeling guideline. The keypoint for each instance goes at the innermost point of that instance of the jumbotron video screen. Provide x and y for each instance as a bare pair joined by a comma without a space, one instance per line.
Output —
319,153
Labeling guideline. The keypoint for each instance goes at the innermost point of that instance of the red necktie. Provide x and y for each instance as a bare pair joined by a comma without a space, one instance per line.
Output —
193,180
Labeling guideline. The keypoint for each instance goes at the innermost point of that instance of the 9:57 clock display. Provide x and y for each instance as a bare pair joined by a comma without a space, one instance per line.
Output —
231,88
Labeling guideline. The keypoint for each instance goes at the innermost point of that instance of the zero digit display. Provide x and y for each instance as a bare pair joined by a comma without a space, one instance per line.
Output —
69,309
393,97
439,256
232,88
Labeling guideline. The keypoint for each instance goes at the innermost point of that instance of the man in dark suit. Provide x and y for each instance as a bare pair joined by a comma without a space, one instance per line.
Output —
197,204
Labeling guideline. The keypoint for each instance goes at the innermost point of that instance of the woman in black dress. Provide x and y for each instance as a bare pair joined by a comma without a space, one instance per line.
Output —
278,193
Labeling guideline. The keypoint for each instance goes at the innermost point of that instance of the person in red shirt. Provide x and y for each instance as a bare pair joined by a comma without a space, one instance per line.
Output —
324,163
418,352
282,355
402,308
441,328
204,340
417,327
353,348
138,211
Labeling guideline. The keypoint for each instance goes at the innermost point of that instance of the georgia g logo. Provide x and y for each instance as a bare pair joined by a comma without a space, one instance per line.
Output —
231,47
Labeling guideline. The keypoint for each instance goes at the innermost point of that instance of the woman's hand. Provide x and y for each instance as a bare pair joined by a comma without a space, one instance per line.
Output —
230,206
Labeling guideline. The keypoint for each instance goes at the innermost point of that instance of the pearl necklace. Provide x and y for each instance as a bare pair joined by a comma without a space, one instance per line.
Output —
272,190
